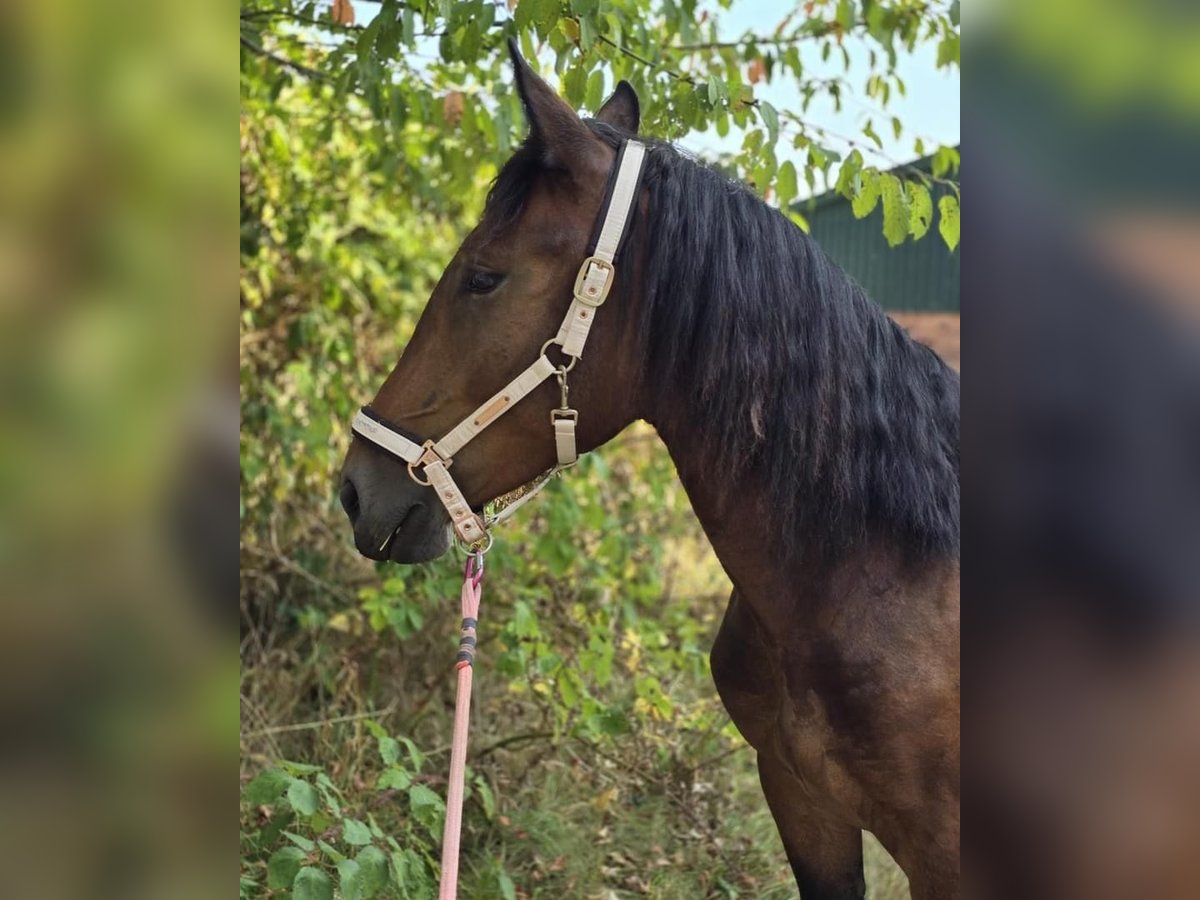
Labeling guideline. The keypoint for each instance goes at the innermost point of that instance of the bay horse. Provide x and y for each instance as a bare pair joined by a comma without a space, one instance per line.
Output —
817,443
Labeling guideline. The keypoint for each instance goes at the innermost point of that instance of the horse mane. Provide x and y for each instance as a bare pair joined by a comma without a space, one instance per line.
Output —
803,384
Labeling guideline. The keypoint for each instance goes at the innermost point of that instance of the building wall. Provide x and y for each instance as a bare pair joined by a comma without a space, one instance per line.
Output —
917,276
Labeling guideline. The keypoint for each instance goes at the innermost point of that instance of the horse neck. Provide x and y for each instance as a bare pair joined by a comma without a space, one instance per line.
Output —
740,519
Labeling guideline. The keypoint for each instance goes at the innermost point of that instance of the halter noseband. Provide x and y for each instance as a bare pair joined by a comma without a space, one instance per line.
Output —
592,284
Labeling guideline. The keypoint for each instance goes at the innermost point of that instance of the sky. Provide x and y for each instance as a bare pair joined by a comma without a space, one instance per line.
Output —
930,109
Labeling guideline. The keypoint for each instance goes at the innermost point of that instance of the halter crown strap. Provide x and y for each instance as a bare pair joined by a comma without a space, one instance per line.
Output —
596,275
592,286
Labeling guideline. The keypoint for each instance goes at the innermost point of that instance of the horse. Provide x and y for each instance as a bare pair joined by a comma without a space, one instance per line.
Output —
816,441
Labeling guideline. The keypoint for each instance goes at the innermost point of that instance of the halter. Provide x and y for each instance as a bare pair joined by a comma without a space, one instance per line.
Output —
592,285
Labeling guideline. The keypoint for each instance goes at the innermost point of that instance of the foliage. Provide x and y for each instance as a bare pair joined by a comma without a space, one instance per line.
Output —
601,757
429,81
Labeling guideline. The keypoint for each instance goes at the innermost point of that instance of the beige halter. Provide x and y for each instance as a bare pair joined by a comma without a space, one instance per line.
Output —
594,281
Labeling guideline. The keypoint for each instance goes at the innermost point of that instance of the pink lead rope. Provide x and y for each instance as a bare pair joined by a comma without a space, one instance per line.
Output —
471,591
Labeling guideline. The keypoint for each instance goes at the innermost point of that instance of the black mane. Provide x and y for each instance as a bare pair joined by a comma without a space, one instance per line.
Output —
801,381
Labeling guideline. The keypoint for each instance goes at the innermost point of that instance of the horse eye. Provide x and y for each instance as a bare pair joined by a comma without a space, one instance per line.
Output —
483,282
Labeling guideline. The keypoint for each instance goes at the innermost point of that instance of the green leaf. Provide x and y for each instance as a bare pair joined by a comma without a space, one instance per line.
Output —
355,832
427,807
266,788
300,841
771,119
895,209
587,34
508,890
486,797
945,161
331,851
544,14
869,131
283,866
295,768
593,97
411,875
350,880
948,51
920,209
303,797
851,166
312,884
523,18
524,621
389,750
948,220
574,85
866,193
373,871
786,188
394,778
714,89
845,14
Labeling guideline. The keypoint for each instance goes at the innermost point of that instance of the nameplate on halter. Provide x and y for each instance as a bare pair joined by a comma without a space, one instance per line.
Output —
492,410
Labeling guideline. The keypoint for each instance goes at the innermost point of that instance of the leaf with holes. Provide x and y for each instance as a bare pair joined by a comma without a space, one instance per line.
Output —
948,220
920,209
866,193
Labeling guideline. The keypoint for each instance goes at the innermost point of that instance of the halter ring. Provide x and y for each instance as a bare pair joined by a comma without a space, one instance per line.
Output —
563,370
479,547
430,455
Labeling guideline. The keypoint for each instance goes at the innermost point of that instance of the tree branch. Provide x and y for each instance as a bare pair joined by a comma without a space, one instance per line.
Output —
296,67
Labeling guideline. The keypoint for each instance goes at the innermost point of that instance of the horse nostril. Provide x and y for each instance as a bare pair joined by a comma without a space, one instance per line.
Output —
349,497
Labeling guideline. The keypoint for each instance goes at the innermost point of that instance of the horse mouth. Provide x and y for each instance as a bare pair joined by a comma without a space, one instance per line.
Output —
413,539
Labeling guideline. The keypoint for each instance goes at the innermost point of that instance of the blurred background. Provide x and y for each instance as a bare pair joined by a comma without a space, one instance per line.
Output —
1081,449
117,530
118,449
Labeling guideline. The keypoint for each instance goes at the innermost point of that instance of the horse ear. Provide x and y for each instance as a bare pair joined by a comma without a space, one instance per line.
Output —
554,128
622,109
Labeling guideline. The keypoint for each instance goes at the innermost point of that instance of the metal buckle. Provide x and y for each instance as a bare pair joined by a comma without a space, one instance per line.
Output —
590,296
556,414
429,456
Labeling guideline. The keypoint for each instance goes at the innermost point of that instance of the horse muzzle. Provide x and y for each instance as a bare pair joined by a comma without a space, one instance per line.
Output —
393,517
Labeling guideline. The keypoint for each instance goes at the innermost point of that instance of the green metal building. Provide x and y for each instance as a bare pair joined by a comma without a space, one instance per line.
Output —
916,276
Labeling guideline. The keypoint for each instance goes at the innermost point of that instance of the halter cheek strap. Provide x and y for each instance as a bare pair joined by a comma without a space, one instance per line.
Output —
592,286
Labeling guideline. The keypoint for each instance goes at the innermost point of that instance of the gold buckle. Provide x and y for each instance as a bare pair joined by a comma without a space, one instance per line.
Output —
590,296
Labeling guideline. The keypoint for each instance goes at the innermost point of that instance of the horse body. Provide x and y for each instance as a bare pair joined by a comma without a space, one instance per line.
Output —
844,678
817,443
